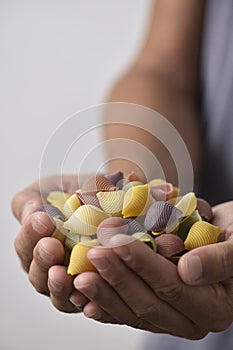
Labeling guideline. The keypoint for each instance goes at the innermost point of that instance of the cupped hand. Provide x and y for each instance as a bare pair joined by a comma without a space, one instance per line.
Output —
41,255
142,289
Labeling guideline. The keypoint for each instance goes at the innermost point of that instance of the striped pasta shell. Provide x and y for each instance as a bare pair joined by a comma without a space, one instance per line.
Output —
88,198
79,261
111,202
97,183
201,233
85,220
187,223
156,182
70,205
169,244
57,199
115,178
161,215
134,226
187,204
136,201
109,228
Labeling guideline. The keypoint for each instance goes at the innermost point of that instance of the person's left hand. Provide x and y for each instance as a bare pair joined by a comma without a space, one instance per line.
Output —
137,287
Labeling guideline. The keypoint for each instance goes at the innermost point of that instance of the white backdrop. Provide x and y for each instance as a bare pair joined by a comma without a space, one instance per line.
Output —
56,58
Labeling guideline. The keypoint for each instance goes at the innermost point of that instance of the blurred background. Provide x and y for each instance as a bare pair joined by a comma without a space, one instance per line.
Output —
57,57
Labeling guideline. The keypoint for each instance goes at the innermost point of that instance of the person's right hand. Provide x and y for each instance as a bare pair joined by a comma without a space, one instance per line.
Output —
41,255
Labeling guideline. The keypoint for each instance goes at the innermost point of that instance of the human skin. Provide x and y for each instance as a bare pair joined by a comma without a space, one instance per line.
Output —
188,300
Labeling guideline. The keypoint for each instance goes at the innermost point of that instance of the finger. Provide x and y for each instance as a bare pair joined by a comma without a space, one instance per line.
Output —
60,285
92,310
48,252
193,302
208,264
30,198
36,226
96,289
147,306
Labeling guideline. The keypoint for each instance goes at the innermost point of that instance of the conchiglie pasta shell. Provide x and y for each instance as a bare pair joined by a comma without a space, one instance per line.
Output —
187,223
200,234
88,198
72,239
136,201
160,216
97,183
169,244
187,204
115,178
70,205
156,182
78,259
58,199
111,202
85,220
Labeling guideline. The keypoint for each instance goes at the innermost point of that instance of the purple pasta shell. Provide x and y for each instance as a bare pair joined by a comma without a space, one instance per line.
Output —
89,198
161,214
134,226
115,178
51,210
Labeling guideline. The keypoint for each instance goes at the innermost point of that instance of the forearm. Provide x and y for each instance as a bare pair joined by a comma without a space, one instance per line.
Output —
162,94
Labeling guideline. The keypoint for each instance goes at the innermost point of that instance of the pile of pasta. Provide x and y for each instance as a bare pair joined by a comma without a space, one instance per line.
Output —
153,212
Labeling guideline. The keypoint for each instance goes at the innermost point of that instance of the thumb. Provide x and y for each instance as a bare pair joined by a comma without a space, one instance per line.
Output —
208,264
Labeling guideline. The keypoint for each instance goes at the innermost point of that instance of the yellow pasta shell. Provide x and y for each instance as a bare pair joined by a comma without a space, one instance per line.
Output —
200,234
78,259
156,182
187,204
85,220
187,223
58,199
111,202
136,201
70,205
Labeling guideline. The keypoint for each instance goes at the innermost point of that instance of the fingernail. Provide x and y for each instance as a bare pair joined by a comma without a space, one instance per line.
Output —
88,290
75,301
57,287
28,209
194,268
45,255
123,252
38,225
96,315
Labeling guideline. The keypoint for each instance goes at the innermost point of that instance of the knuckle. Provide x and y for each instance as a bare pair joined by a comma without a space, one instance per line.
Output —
170,293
